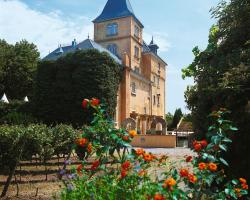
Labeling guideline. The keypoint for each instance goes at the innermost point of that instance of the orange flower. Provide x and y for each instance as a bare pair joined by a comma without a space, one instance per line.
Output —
212,167
244,186
123,173
169,182
237,190
202,166
89,148
95,102
125,138
148,157
126,165
192,178
85,103
139,152
184,173
79,168
197,147
242,180
82,142
142,173
159,197
132,133
95,165
203,143
189,159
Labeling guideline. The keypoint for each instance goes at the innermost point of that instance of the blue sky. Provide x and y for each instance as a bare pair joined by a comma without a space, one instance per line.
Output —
177,26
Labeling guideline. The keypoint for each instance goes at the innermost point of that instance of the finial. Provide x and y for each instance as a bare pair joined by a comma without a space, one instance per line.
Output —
152,41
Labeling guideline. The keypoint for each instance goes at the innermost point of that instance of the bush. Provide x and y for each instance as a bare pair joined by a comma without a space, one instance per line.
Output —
16,113
61,84
133,175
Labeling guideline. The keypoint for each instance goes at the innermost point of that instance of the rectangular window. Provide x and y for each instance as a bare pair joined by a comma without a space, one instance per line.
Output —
136,52
158,100
158,81
112,29
154,99
133,88
137,32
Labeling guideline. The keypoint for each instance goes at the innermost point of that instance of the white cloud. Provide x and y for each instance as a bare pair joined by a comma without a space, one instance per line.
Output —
46,30
160,38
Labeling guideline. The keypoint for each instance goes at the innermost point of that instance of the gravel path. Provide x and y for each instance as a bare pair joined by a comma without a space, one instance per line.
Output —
171,151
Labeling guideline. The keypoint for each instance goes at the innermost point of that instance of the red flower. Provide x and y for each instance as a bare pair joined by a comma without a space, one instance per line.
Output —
192,178
197,147
123,173
95,165
184,173
126,165
159,197
95,102
125,138
79,168
204,143
189,159
85,103
82,141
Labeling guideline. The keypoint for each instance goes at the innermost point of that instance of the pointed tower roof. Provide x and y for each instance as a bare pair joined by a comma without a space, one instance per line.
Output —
115,9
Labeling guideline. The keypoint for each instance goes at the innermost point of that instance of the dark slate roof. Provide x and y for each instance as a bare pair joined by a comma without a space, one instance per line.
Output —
84,45
115,9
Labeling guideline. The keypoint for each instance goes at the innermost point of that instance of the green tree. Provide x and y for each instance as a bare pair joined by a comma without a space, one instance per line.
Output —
62,85
176,118
222,77
169,119
18,64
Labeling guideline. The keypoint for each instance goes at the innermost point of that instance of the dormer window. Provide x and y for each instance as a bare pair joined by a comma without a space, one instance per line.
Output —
112,48
112,29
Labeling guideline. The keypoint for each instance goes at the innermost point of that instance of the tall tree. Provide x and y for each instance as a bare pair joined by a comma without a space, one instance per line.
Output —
177,117
222,77
18,64
62,85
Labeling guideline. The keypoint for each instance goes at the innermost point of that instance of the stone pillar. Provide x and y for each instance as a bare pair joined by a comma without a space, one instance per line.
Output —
144,126
125,88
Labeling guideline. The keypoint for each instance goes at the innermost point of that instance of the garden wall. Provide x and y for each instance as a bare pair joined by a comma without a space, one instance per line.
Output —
155,141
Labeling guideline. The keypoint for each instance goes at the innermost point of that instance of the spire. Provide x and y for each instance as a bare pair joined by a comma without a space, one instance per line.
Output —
153,47
152,41
115,9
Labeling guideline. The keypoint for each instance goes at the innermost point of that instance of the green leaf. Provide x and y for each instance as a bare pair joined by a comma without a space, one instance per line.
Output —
223,147
233,128
227,140
224,161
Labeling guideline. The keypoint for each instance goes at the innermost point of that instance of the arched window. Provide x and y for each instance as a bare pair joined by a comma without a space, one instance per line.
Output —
112,29
112,48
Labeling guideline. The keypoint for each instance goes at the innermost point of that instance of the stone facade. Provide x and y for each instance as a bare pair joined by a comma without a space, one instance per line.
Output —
141,93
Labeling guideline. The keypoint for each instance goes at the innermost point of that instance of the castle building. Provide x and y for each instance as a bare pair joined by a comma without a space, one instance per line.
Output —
141,94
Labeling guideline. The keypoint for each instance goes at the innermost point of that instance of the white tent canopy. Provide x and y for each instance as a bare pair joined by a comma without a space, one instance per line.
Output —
4,99
26,99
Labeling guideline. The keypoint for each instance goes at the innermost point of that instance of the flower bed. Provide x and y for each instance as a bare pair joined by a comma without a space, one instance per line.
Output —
127,175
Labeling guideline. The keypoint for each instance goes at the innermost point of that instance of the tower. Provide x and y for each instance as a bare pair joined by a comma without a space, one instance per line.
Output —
119,30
